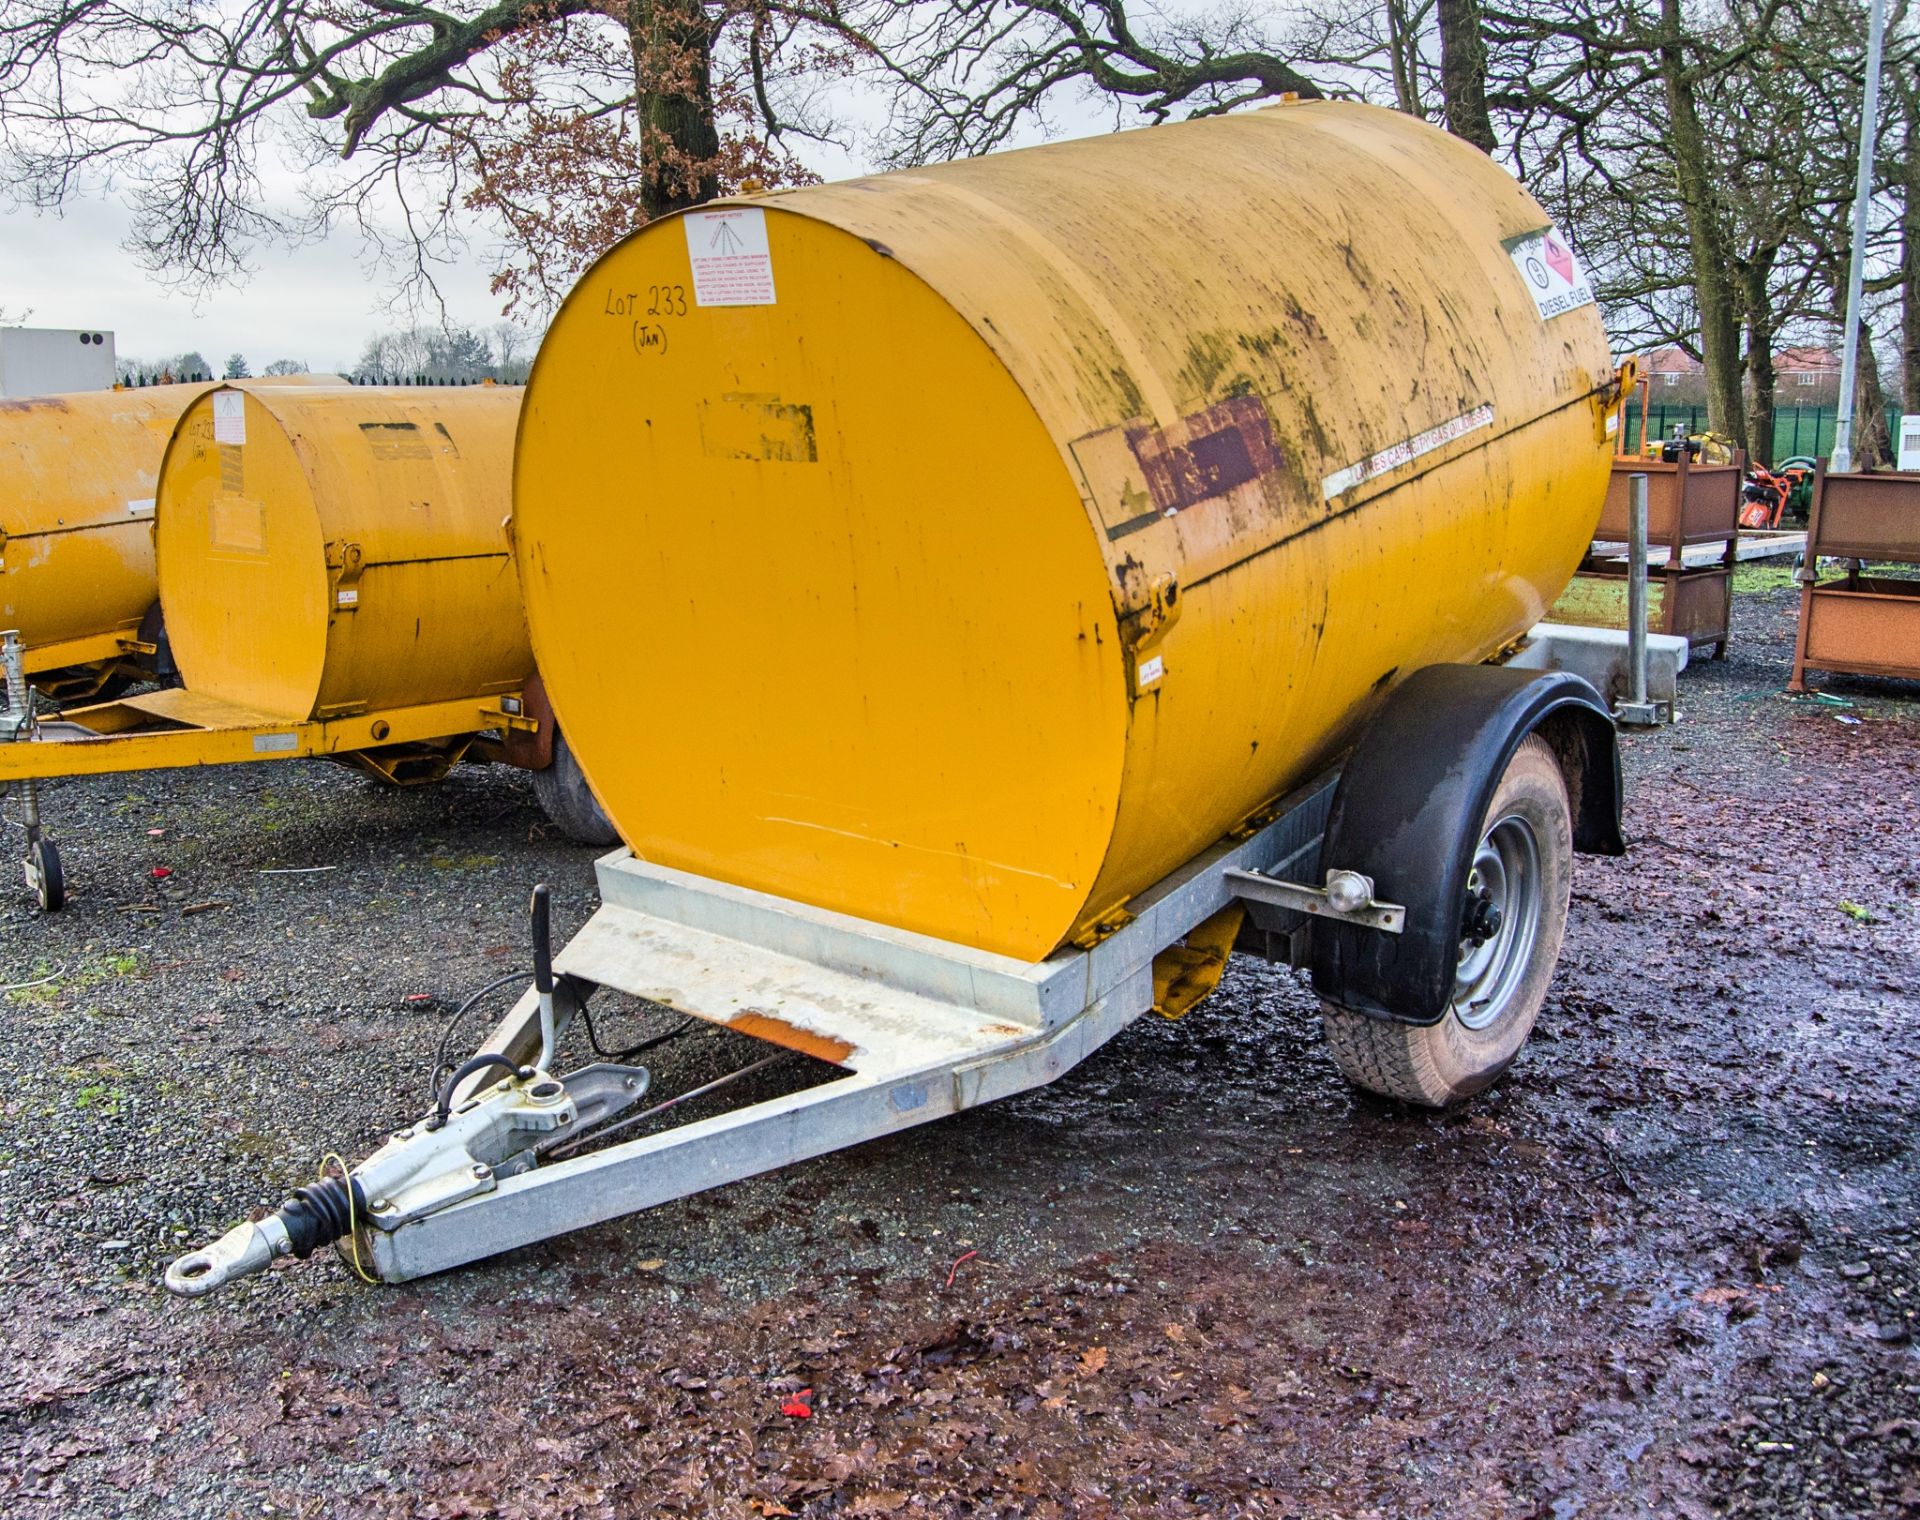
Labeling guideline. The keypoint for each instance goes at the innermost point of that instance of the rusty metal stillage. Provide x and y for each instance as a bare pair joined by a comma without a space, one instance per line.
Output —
1859,623
1690,506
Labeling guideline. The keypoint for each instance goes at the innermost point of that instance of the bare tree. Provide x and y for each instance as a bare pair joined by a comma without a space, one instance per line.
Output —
392,355
191,365
1463,72
1599,94
1702,157
563,122
513,349
969,76
1871,441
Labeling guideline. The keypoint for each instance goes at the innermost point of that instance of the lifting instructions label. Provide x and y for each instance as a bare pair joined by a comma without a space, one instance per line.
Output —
732,265
229,417
1551,273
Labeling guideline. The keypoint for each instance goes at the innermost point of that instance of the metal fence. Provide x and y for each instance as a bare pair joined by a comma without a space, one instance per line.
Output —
1796,429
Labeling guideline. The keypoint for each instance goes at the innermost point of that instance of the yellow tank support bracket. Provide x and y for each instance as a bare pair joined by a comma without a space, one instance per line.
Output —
1611,399
1185,973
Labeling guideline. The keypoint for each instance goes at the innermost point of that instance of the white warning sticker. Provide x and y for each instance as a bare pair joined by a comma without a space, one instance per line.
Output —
732,265
274,744
1150,671
229,417
140,506
1551,273
1407,452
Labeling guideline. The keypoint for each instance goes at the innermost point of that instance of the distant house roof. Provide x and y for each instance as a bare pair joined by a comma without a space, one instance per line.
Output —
1670,360
1801,360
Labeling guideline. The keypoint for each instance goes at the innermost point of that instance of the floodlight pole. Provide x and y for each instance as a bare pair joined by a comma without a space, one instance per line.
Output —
1862,195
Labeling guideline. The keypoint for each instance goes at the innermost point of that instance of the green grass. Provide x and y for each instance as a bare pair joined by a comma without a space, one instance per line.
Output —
44,993
1764,575
88,973
473,861
100,1097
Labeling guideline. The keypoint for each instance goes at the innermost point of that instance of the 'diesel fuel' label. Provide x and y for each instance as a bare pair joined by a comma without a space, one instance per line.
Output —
1550,272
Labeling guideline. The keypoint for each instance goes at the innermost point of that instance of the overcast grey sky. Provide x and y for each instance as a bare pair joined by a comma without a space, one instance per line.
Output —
318,304
315,304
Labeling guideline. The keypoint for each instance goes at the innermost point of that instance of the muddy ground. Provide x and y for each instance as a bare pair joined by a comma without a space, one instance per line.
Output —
1666,1268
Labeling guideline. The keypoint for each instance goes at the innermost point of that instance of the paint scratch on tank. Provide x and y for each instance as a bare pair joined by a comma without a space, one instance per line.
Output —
922,849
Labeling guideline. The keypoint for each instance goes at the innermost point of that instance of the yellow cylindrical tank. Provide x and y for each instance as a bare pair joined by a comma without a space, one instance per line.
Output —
981,542
77,489
340,550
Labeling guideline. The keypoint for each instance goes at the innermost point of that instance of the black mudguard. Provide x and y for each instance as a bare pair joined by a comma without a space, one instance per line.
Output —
1408,810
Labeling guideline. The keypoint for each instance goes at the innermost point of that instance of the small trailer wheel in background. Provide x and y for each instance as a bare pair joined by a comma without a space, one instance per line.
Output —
564,796
1512,922
44,875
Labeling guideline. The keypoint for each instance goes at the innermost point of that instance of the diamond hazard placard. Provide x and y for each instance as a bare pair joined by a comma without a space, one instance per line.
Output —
1549,270
732,265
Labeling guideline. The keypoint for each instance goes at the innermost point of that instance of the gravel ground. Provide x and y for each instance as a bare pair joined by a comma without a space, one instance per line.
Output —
1666,1268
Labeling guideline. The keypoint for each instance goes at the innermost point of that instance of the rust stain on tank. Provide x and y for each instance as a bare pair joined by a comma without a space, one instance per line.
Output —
1227,445
764,1026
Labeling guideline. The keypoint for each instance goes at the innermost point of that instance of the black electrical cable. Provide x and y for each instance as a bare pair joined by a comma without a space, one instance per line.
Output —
440,1061
627,1054
686,1026
486,1060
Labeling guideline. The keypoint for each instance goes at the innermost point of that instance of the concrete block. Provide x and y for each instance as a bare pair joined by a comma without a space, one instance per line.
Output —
1600,654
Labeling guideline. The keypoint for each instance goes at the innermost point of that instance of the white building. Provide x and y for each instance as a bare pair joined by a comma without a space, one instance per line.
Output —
49,361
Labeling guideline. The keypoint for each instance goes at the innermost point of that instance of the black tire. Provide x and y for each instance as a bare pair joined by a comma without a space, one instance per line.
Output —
1524,862
564,796
50,882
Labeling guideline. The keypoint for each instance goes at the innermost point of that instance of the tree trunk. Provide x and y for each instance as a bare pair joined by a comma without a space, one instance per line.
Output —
1463,73
1712,283
1761,394
673,72
1403,46
1910,252
1760,380
1872,447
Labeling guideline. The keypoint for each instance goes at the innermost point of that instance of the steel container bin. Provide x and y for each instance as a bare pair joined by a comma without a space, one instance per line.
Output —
966,548
337,550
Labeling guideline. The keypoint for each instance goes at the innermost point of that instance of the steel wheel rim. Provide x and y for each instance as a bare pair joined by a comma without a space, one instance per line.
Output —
1488,977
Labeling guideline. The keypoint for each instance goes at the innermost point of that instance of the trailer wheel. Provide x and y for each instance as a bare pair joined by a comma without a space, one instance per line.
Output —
1511,927
564,796
44,873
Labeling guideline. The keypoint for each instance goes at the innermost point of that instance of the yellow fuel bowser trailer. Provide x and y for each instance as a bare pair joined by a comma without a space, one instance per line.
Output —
335,574
1060,569
78,478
